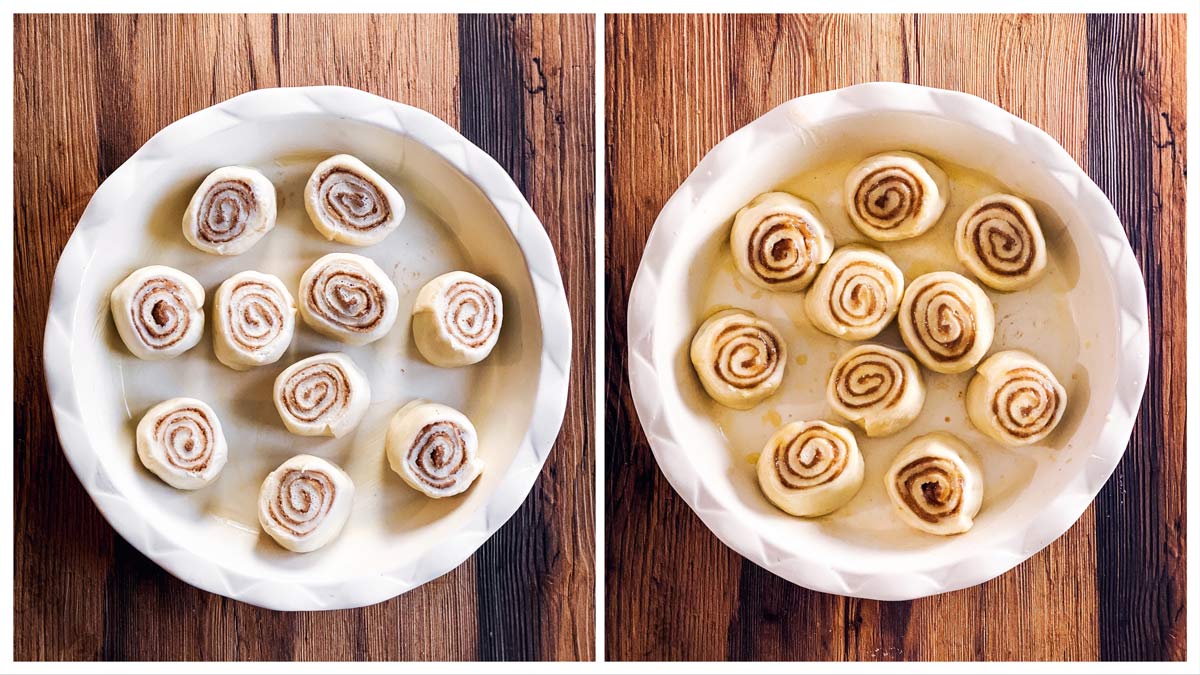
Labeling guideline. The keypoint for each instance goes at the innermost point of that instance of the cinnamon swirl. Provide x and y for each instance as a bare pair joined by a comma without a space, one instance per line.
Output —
180,440
779,242
877,388
254,320
456,319
896,195
1000,240
936,484
323,395
159,312
434,448
233,208
946,321
1015,399
349,298
856,294
305,503
348,202
810,468
739,358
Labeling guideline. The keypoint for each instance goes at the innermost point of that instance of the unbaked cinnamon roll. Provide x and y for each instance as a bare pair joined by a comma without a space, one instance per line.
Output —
349,298
159,312
936,484
233,208
1015,399
254,320
349,202
181,441
1000,240
856,294
810,468
304,504
946,321
877,388
896,195
779,242
434,448
456,319
739,357
323,395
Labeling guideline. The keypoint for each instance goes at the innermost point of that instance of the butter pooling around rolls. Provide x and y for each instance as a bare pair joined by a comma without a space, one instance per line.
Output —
895,195
304,504
434,448
254,320
456,319
1015,399
935,484
349,298
159,312
946,321
877,388
349,202
181,441
856,294
1000,240
810,468
779,242
323,395
232,209
739,358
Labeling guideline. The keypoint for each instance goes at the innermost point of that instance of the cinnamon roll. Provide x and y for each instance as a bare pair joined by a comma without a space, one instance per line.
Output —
1000,240
456,319
254,320
810,468
323,395
180,440
779,242
305,503
159,312
946,321
233,208
348,202
856,294
434,448
1015,399
739,358
349,298
936,484
896,195
877,388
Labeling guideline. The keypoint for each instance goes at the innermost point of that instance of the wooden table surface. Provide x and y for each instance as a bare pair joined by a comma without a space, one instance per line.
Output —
519,87
1111,91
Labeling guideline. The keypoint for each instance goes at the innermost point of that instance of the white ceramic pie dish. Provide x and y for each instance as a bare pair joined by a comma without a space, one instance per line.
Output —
464,212
1100,339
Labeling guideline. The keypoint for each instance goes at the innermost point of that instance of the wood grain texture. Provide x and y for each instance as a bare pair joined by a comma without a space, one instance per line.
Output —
84,107
1111,91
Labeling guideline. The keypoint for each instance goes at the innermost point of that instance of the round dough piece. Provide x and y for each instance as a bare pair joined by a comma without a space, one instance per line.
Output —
305,503
159,312
323,395
779,242
856,295
1015,399
180,440
456,319
810,468
739,357
877,388
254,320
896,195
946,321
1000,240
349,202
936,484
349,298
434,448
233,208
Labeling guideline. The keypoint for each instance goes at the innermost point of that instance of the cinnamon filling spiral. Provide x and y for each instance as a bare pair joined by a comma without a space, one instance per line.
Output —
255,315
810,458
439,454
782,248
470,316
186,437
887,197
160,312
303,499
859,296
345,296
1002,239
944,321
224,212
352,200
1026,404
747,355
320,390
869,379
931,488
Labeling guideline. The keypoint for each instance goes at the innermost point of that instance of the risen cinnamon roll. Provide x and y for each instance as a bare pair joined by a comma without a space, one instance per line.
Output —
323,395
936,484
348,202
1000,240
739,357
896,195
304,504
180,440
1015,399
946,321
254,320
856,294
810,468
233,208
779,242
159,312
877,388
349,298
434,448
456,319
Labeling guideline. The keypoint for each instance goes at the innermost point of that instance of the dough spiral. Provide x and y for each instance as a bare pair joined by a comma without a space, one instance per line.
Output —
232,209
305,503
349,202
896,195
159,312
739,358
779,242
856,294
349,298
810,468
254,320
1015,399
457,318
181,441
1000,240
877,388
946,321
434,448
936,484
323,395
